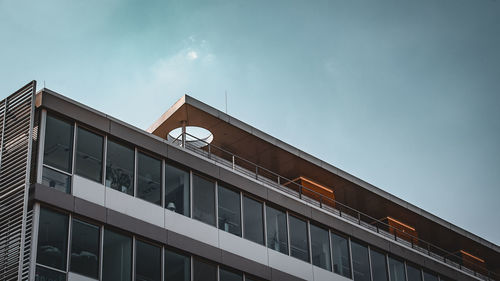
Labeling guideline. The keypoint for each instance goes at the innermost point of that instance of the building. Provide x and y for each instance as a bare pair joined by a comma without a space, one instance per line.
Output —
84,196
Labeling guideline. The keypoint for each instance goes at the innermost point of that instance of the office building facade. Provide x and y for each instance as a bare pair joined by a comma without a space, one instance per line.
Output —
85,196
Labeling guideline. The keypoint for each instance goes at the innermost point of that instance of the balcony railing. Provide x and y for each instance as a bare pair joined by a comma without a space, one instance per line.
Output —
272,179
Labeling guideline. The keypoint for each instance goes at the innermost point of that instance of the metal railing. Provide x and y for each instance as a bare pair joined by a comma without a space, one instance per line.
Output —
270,178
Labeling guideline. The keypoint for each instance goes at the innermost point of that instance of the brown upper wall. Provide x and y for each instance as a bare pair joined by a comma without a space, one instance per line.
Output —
279,157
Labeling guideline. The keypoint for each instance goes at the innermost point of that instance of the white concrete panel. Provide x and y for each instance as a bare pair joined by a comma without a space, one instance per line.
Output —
324,275
77,277
134,207
88,190
191,228
243,247
290,265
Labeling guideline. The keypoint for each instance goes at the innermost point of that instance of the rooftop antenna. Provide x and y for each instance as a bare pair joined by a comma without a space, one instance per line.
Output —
226,100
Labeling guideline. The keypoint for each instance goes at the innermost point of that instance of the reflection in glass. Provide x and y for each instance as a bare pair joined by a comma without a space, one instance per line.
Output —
379,266
117,257
120,167
52,239
45,274
85,249
203,200
58,145
89,149
147,262
227,275
299,246
253,223
396,270
320,246
360,261
56,180
413,273
430,276
203,271
177,190
340,254
149,178
229,210
277,238
177,266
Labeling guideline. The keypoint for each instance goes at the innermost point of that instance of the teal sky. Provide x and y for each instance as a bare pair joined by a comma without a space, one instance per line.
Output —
403,94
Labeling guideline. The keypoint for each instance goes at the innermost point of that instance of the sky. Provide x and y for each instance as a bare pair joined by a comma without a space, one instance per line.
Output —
402,94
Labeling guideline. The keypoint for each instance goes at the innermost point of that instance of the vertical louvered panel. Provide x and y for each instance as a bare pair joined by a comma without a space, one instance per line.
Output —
16,129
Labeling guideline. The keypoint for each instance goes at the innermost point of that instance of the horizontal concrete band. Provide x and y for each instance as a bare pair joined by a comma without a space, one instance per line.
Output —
69,203
120,130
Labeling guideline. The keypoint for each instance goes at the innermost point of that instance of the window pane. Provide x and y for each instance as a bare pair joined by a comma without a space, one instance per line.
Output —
226,275
203,271
45,274
58,146
277,238
396,270
253,223
149,178
360,262
120,167
85,249
52,239
177,190
229,210
413,273
56,180
430,276
203,200
320,246
299,246
177,266
340,253
147,262
89,155
379,266
117,257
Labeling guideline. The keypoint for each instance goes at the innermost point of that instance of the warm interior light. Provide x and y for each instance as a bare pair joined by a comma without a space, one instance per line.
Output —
400,223
472,256
314,183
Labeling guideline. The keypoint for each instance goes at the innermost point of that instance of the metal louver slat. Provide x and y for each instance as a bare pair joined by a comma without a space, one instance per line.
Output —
16,128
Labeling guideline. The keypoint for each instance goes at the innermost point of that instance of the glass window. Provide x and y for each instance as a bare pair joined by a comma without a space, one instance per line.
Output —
85,249
147,262
120,167
396,270
56,180
229,210
320,246
204,271
149,178
299,246
203,200
277,238
379,266
177,266
227,275
45,274
360,261
253,223
430,276
413,273
58,148
177,190
52,239
117,257
340,255
89,155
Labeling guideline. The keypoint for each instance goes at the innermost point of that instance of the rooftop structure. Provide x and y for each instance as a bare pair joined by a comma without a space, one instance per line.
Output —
234,204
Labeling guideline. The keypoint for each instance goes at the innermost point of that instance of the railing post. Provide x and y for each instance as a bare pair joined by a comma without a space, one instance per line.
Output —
233,161
209,152
428,249
300,191
256,172
279,180
359,218
184,134
321,201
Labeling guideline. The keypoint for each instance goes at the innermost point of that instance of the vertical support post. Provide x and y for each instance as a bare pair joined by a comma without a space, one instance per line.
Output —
183,122
233,160
256,172
359,218
209,151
